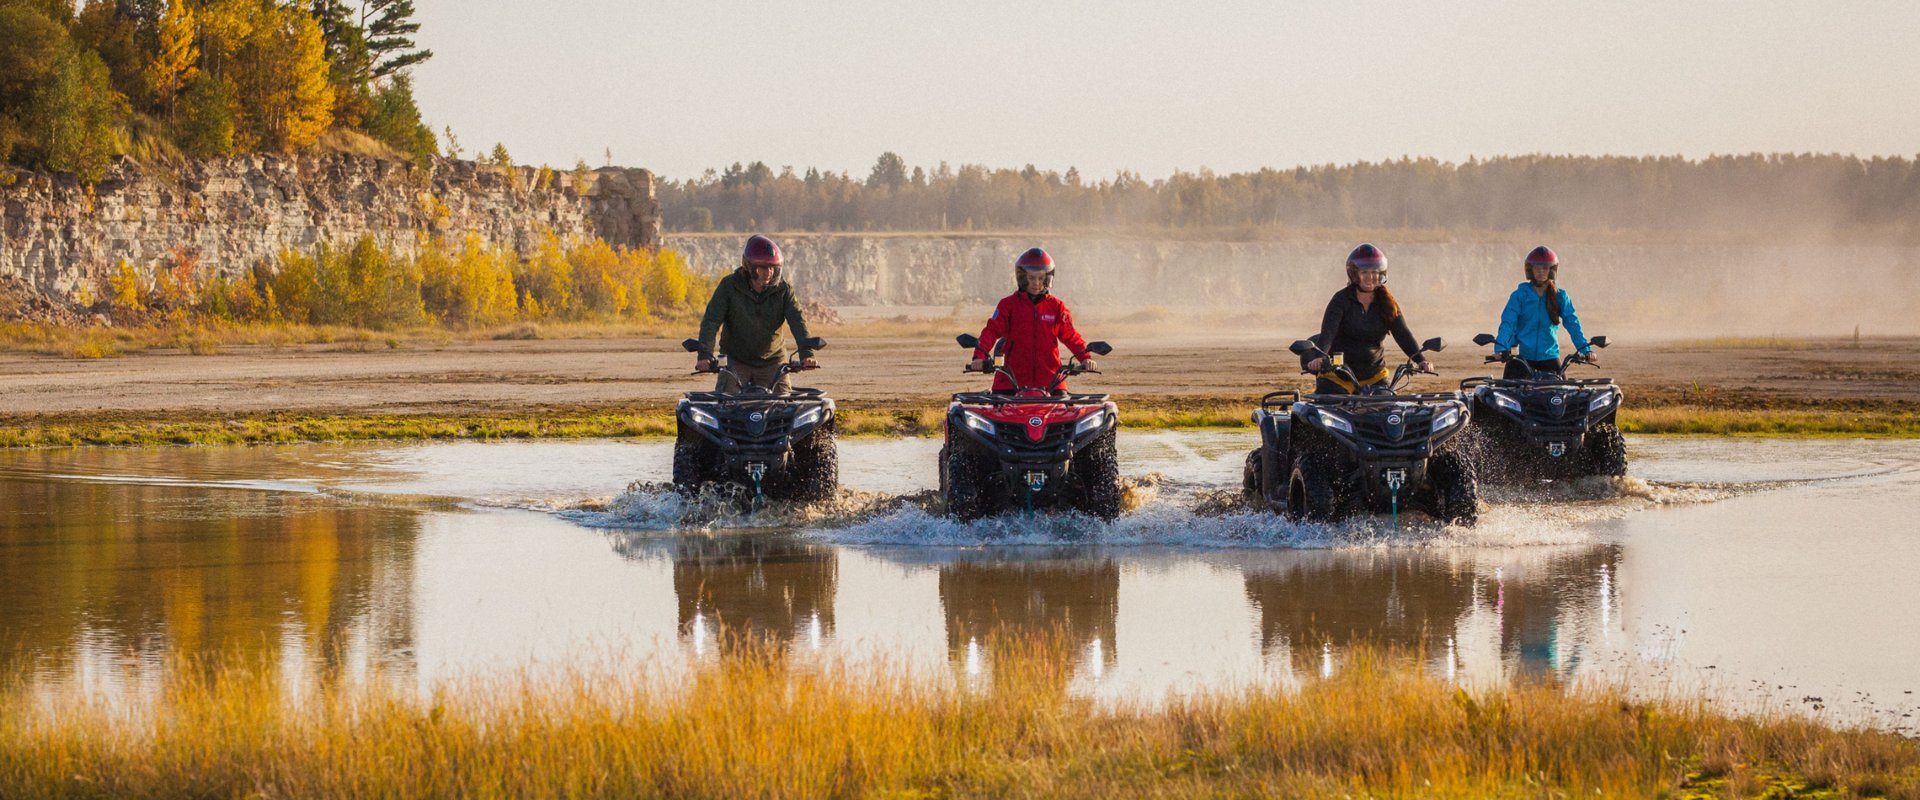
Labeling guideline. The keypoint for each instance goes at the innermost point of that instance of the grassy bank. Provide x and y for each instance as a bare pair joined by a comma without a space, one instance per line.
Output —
855,419
757,723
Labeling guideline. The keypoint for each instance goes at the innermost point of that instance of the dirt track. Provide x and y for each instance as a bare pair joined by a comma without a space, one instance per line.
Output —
504,376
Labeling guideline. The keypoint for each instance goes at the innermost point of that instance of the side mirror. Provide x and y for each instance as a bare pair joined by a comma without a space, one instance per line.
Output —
1099,348
968,340
1598,341
812,343
692,345
1434,345
1301,347
1484,339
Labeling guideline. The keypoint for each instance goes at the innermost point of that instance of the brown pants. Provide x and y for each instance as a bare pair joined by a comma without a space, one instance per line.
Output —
769,377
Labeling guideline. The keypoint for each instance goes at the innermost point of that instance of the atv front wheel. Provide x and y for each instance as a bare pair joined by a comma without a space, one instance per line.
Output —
1311,493
695,460
965,470
813,473
1098,469
1456,494
1606,450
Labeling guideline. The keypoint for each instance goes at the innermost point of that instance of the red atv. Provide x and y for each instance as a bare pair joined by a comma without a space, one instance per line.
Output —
1030,447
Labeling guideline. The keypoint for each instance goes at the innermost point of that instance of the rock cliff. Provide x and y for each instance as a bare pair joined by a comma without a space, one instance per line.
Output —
60,236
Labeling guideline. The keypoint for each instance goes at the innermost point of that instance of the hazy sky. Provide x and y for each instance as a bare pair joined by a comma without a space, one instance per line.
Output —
1159,86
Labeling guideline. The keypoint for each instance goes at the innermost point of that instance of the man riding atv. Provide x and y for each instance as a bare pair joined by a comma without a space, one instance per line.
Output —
746,312
1035,324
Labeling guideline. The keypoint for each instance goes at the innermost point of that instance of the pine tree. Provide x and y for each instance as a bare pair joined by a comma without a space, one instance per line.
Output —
393,118
388,47
173,64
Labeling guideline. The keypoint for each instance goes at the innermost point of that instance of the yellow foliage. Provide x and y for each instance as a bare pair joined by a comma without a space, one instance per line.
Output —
282,75
126,286
173,65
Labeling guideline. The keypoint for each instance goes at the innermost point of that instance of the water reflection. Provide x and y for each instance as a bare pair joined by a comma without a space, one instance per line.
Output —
101,574
1533,610
768,587
1072,593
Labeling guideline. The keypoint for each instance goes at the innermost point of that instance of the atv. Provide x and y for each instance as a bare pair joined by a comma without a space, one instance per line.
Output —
1546,426
1031,448
778,446
1325,457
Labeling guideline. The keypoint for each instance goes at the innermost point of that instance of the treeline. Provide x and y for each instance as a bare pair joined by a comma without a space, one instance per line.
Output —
1753,192
367,286
202,78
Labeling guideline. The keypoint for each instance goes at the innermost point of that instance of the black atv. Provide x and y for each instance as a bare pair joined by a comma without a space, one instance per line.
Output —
779,446
1324,457
1546,426
1030,448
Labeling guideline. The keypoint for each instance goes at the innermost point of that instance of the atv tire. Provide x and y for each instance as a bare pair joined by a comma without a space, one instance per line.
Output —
1098,470
964,471
1456,495
1251,476
1312,493
696,459
813,471
1606,450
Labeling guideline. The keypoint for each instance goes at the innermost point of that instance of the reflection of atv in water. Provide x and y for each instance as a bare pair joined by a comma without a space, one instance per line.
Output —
1324,457
1546,426
777,445
1033,448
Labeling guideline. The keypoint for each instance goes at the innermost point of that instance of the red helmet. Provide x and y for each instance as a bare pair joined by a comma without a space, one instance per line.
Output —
1035,260
1542,256
760,252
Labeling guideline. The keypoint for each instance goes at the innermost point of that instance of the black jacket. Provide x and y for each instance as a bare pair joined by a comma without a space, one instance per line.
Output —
1357,333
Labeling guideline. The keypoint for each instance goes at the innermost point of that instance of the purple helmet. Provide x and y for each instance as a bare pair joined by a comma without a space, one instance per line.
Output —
760,252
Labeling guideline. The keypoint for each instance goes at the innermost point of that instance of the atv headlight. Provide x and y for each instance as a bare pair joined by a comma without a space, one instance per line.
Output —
1447,418
1090,422
701,417
1505,401
1600,403
1335,421
809,416
977,422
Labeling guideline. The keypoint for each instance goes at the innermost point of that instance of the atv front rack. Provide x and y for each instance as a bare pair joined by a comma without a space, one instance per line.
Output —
991,399
1470,383
798,394
1417,397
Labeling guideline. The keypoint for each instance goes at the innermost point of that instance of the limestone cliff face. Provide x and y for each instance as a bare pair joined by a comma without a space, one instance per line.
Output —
1814,287
230,214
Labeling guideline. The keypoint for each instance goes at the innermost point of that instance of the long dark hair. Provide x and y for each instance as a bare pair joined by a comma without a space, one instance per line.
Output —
1390,307
1553,302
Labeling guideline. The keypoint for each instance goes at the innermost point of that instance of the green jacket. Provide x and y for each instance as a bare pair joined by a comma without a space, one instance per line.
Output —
752,321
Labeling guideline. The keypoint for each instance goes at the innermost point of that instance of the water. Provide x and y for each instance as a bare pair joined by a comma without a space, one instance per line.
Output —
1763,572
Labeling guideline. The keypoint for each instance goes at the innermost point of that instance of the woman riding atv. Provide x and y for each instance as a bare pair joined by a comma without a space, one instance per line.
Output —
1035,324
1357,322
1532,319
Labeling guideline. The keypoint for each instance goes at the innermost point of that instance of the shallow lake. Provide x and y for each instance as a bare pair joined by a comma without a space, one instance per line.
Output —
1763,572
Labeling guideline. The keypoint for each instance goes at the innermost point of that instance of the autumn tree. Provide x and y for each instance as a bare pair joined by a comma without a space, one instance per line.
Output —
282,82
206,126
72,117
173,64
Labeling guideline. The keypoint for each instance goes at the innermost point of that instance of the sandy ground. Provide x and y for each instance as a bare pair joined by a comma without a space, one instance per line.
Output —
503,376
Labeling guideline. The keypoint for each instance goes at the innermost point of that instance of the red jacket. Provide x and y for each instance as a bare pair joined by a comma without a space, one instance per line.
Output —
1034,333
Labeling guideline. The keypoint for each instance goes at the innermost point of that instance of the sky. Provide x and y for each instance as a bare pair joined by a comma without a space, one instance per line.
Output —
1154,87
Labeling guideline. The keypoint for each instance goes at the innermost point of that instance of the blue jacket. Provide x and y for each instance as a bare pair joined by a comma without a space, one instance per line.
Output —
1524,323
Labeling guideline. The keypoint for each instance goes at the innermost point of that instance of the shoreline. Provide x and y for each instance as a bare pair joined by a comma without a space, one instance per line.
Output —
858,419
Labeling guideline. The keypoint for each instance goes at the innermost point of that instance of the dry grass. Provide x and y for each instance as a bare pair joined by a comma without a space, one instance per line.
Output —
756,721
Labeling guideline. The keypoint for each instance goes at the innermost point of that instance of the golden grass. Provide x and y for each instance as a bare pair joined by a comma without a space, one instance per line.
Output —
757,722
1769,422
